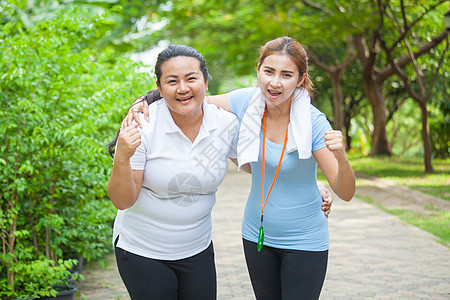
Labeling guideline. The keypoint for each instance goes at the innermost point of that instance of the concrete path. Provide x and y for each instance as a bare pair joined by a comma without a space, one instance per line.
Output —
373,255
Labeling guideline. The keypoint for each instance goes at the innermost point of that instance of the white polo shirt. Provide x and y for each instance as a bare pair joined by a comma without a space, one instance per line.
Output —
171,218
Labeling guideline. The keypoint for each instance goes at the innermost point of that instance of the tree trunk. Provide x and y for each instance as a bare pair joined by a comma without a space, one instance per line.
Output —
348,138
335,73
426,138
11,279
338,102
373,89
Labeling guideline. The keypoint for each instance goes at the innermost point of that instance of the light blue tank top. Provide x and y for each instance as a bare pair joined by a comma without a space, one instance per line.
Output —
293,218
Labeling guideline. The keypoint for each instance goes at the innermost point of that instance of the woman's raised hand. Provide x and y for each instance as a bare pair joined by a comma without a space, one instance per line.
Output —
129,139
335,143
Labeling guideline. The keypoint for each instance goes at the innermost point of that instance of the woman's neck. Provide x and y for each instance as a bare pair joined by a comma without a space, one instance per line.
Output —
189,124
277,120
280,111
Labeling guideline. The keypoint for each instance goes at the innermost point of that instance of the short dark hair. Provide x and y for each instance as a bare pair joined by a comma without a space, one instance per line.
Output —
179,50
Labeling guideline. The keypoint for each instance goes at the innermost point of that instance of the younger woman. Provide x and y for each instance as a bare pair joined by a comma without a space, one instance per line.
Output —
285,138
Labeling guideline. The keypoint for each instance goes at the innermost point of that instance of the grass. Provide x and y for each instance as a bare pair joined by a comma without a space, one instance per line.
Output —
407,172
410,173
436,222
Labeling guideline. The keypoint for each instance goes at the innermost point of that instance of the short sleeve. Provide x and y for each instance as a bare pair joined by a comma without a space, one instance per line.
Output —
238,101
320,125
235,139
229,130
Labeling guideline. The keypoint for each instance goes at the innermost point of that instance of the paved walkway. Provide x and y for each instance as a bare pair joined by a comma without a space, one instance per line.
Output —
373,255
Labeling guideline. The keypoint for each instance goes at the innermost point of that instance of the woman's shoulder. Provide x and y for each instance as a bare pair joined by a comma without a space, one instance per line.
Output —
318,119
223,122
154,112
220,114
316,114
238,100
158,110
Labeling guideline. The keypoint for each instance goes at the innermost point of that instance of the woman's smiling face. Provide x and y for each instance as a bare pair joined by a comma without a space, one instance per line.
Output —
278,77
182,85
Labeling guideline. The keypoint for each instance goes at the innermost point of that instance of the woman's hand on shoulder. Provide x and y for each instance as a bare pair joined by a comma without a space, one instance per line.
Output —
129,139
139,105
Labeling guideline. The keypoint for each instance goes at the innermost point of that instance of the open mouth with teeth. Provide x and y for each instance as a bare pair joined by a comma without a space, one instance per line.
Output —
185,99
274,94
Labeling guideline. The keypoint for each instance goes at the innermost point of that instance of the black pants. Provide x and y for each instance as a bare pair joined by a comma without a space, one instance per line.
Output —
190,278
285,274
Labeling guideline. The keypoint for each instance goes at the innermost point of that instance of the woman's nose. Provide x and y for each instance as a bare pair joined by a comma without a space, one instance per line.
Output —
275,82
183,87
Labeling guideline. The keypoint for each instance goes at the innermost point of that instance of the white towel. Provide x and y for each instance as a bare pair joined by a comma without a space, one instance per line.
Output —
299,129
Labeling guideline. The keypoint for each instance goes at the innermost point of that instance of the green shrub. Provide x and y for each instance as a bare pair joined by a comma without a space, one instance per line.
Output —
62,101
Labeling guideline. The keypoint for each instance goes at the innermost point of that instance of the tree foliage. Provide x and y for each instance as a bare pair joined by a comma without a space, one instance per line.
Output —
230,32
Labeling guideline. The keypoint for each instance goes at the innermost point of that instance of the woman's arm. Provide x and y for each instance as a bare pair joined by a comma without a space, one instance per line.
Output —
219,101
124,183
141,105
333,162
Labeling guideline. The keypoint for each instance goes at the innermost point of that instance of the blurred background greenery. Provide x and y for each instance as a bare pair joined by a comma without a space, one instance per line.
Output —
70,69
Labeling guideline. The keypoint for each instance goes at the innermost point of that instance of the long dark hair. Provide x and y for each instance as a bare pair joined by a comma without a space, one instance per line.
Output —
154,95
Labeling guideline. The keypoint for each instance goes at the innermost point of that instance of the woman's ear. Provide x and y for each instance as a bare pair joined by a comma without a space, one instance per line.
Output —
159,89
301,80
206,84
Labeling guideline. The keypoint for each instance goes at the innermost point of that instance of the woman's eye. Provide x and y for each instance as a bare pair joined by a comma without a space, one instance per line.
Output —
287,75
172,81
268,71
192,78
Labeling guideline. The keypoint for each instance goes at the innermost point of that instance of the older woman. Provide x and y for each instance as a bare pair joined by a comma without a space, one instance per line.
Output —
163,182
